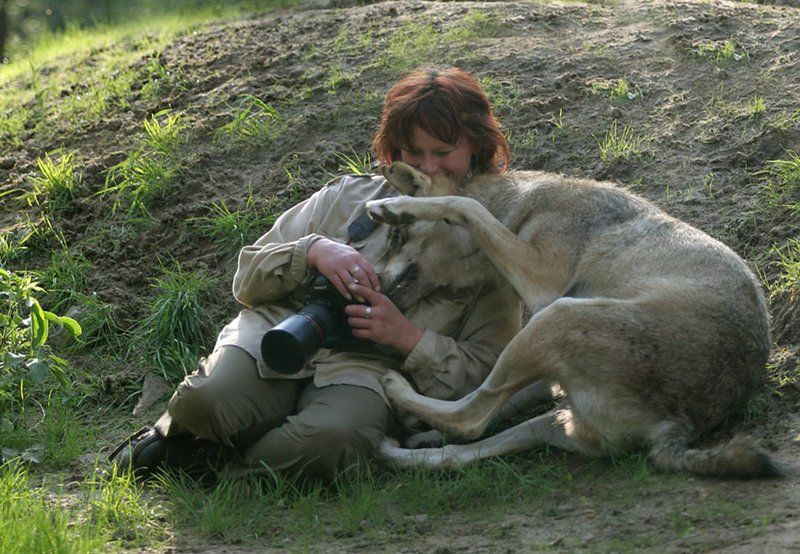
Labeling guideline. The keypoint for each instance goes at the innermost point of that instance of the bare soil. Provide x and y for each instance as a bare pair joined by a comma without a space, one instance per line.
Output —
703,158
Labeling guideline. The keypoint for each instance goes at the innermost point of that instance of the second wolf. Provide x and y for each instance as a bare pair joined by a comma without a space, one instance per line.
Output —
657,333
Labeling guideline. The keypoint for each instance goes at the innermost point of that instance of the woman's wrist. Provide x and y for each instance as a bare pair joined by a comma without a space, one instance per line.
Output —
313,252
409,339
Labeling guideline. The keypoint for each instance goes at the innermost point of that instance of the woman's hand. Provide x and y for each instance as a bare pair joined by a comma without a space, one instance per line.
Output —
342,265
381,321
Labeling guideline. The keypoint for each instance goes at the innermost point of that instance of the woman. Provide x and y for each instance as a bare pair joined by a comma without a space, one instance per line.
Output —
332,413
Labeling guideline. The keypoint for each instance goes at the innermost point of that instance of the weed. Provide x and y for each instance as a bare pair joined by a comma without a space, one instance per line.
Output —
786,173
117,506
413,45
619,90
149,174
254,124
64,277
721,52
56,182
788,280
176,327
231,230
755,106
620,144
353,163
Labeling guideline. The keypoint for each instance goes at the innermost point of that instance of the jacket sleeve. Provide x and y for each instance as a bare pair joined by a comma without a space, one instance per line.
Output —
449,368
276,264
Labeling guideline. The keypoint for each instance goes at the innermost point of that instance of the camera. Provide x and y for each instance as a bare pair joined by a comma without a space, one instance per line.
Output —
321,322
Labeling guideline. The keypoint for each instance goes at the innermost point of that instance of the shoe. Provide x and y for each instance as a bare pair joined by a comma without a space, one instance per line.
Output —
147,450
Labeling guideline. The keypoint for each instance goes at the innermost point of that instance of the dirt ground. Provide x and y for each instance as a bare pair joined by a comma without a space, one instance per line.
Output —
548,69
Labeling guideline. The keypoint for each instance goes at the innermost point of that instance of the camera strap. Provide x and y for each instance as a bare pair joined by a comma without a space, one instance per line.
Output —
363,225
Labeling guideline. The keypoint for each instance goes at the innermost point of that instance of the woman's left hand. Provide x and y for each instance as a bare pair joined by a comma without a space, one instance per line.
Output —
381,321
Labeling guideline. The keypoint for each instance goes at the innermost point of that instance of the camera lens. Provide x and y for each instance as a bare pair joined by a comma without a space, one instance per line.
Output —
291,344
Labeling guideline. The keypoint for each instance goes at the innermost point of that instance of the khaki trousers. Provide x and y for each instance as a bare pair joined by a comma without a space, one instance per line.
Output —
280,424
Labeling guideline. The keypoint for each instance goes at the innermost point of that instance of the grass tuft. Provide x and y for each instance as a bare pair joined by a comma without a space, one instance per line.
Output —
150,173
255,124
176,328
620,144
55,185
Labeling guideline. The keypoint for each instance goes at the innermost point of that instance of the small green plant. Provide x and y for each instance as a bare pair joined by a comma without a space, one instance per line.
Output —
620,144
255,124
788,280
25,358
413,45
176,327
721,52
785,174
354,163
64,277
229,229
618,90
756,105
150,173
55,185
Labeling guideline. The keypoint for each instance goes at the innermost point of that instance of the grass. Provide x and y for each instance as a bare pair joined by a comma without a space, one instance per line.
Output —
621,144
722,53
56,183
413,45
618,90
231,229
151,173
176,327
254,124
788,261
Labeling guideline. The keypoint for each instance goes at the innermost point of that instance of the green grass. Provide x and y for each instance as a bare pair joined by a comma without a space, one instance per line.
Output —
618,90
56,183
788,280
254,124
231,229
355,163
151,173
722,53
176,327
31,521
785,174
622,144
413,45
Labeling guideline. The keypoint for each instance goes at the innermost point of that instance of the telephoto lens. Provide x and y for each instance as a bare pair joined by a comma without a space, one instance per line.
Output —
291,344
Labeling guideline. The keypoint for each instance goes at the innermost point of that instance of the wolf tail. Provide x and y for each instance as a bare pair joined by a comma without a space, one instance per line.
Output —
739,458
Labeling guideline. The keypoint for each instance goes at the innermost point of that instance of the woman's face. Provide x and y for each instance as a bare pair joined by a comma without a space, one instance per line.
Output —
432,156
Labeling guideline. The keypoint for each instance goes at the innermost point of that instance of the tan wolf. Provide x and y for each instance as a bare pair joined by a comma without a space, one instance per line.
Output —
657,333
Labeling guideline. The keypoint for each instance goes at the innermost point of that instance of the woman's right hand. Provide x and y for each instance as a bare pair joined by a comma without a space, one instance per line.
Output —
341,265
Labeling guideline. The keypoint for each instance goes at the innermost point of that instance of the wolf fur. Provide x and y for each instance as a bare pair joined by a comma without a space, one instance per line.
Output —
657,333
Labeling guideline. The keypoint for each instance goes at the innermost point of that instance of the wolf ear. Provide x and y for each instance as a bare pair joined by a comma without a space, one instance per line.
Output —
405,178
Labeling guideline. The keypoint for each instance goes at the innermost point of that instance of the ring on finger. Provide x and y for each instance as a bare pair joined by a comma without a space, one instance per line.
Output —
368,312
355,268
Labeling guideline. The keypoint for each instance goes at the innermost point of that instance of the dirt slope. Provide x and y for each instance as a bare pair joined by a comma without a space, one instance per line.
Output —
703,145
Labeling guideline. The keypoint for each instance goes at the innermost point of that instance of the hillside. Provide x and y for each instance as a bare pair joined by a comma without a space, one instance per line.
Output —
179,151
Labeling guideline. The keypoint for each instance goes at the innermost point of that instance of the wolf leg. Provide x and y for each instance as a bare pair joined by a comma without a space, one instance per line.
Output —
552,428
537,271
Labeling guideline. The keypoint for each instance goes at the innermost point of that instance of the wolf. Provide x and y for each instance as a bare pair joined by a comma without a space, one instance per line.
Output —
657,333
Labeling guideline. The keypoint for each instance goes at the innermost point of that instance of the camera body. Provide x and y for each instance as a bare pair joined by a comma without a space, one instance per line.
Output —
321,322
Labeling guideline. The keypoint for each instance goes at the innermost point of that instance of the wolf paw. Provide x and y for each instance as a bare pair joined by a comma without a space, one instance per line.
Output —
405,178
389,211
395,385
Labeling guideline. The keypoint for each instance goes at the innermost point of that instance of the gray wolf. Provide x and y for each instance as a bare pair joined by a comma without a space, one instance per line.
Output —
657,333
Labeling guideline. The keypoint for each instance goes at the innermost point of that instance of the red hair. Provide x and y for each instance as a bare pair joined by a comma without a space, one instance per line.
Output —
446,104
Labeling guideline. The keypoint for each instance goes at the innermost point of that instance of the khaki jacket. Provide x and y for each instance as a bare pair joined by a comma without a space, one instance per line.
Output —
463,333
